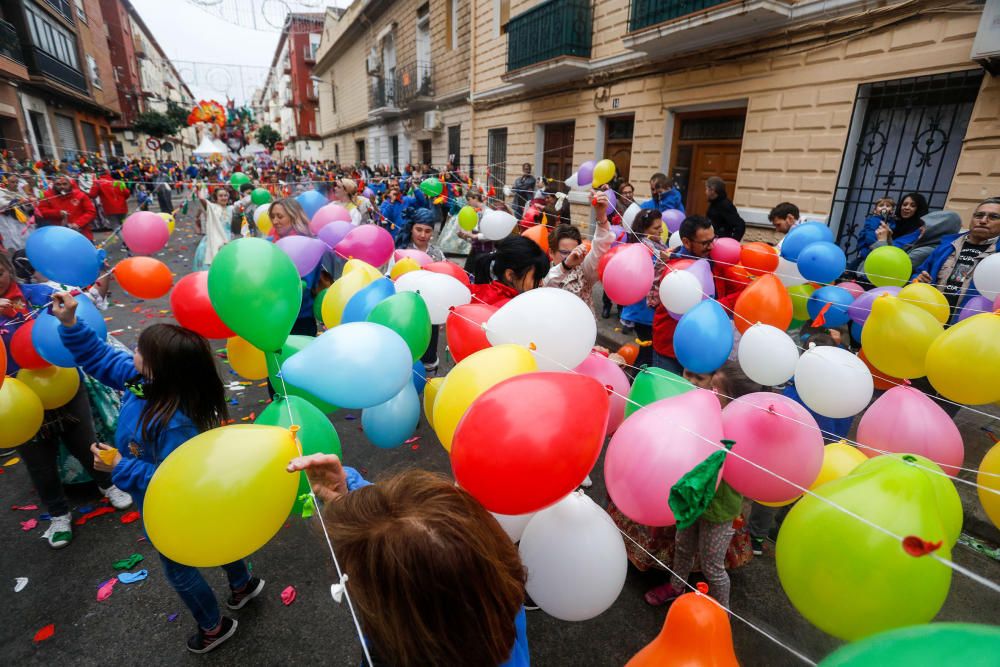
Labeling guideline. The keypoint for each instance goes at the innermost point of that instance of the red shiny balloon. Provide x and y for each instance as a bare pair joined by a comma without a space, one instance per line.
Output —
605,258
528,441
23,350
449,269
193,309
464,329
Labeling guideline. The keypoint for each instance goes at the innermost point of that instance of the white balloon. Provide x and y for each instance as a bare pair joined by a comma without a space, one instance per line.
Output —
575,558
675,240
833,382
513,524
573,182
557,324
767,355
439,291
496,225
680,291
788,273
986,277
629,215
259,211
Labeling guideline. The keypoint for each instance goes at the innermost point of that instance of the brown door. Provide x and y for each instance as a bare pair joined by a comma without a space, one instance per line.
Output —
557,158
722,160
618,145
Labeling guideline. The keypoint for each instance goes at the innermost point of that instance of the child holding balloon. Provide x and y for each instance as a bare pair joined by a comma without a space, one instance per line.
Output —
576,269
172,393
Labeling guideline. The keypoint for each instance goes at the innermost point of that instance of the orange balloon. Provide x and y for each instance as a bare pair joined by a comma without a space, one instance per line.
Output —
540,235
882,380
766,300
759,258
629,352
144,277
696,632
738,274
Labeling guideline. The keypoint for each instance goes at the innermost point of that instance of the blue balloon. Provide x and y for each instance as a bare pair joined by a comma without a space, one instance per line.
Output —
856,331
391,423
419,376
63,255
311,201
822,262
838,298
364,300
703,338
802,235
45,333
354,365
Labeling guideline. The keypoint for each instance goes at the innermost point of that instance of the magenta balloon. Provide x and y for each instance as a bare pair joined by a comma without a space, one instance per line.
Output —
905,420
861,308
777,434
609,374
369,243
702,270
726,251
585,174
419,256
145,233
629,274
855,289
655,447
305,252
327,214
673,218
975,306
334,232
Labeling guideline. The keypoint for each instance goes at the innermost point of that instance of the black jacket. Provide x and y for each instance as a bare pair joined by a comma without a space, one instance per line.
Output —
726,219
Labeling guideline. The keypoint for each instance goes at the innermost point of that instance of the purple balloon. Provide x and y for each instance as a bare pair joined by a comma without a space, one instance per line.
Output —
305,252
612,199
369,243
861,307
975,306
673,218
334,232
585,174
367,192
702,270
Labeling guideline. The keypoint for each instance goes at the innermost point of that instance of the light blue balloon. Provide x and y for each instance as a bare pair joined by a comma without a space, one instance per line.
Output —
311,201
419,376
822,262
45,333
802,235
354,365
703,338
365,299
63,255
391,423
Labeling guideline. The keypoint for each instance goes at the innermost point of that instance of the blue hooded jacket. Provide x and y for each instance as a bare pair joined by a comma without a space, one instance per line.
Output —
869,238
932,265
671,199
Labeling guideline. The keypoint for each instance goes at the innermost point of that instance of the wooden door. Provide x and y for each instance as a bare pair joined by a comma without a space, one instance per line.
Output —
711,159
618,145
557,155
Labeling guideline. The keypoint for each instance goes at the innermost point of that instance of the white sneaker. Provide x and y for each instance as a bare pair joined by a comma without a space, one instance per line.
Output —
60,531
119,499
587,483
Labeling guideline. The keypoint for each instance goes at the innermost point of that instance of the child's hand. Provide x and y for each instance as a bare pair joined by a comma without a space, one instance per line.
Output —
575,257
924,277
106,457
326,475
64,308
883,233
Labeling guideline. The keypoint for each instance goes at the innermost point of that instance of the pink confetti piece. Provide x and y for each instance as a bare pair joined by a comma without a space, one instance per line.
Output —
411,440
104,592
129,517
288,595
29,524
24,508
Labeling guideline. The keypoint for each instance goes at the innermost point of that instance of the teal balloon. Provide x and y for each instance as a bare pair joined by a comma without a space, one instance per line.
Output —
703,338
63,255
364,300
391,423
293,344
965,644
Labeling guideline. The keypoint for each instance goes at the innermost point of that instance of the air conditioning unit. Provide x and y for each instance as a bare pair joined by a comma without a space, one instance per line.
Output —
373,64
433,120
986,47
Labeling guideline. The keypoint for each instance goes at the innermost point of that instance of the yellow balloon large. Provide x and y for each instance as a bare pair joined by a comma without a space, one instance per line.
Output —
21,413
897,335
55,386
169,219
927,297
430,393
839,459
604,171
964,363
356,275
988,479
245,359
470,378
222,494
404,265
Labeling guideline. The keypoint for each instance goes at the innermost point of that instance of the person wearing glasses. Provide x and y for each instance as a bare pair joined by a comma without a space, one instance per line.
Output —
574,268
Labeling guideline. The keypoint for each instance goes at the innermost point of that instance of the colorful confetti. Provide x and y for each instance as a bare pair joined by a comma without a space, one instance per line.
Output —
29,524
288,595
93,514
45,633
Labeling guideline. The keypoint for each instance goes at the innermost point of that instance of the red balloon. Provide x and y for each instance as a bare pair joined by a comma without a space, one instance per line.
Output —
464,329
449,269
605,258
193,309
23,350
528,441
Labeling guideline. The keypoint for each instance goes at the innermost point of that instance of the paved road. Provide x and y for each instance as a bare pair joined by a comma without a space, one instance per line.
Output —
133,626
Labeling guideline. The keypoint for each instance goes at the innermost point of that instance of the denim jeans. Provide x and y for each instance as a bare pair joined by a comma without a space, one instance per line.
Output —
667,363
195,591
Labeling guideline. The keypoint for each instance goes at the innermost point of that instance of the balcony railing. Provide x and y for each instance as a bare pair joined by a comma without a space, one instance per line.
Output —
49,66
63,7
414,81
645,13
382,93
10,45
552,29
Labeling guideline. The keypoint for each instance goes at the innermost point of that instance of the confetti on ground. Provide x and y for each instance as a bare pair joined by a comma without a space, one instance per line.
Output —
350,417
127,563
132,577
288,595
83,509
411,440
129,517
24,508
45,633
13,461
29,524
20,583
104,592
172,617
96,513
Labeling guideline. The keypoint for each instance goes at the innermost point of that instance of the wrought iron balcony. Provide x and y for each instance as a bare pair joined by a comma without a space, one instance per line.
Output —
415,85
382,96
63,7
61,72
644,13
551,30
10,45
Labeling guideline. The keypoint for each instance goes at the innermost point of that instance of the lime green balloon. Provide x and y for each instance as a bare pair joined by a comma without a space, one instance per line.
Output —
852,580
256,290
888,266
318,304
468,218
966,644
431,187
293,344
260,196
653,384
406,313
800,298
238,179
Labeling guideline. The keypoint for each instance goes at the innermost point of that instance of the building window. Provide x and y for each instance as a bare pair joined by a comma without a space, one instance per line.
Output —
80,11
54,40
333,98
452,24
313,47
336,152
496,158
454,145
359,147
501,17
95,74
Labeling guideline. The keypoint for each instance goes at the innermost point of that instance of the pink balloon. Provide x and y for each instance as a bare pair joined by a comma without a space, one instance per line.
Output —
629,274
327,214
673,218
369,243
777,434
145,233
655,447
334,232
419,256
726,251
304,251
855,289
609,374
905,420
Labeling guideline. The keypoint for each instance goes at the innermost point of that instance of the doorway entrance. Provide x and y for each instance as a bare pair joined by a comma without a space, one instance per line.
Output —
557,151
706,143
618,144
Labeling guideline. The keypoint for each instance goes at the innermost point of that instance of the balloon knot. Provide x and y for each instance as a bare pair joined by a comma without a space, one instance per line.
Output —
532,347
770,409
917,547
609,389
702,587
294,429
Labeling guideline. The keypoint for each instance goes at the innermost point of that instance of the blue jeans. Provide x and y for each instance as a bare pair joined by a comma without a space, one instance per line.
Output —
667,363
195,591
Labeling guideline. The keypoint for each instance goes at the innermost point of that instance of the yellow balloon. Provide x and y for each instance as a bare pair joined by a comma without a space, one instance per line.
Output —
169,219
470,378
222,494
404,265
604,171
356,275
927,298
839,459
53,385
264,223
988,479
21,413
964,363
245,359
430,393
897,335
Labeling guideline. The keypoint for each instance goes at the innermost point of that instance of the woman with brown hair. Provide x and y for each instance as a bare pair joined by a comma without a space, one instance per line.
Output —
434,578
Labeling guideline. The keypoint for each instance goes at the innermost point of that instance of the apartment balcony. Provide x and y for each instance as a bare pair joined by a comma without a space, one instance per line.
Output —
415,86
63,7
61,72
10,45
382,97
550,42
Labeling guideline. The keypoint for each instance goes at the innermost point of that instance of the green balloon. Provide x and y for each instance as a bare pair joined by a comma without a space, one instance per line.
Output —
653,384
406,314
800,299
468,218
966,644
318,304
293,344
238,179
260,196
256,290
431,187
888,266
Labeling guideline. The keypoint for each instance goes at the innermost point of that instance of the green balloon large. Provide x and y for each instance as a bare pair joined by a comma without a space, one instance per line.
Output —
406,313
274,361
256,290
653,384
852,580
966,644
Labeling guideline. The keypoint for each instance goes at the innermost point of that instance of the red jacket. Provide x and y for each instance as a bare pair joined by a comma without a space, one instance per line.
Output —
727,290
114,199
493,294
77,205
